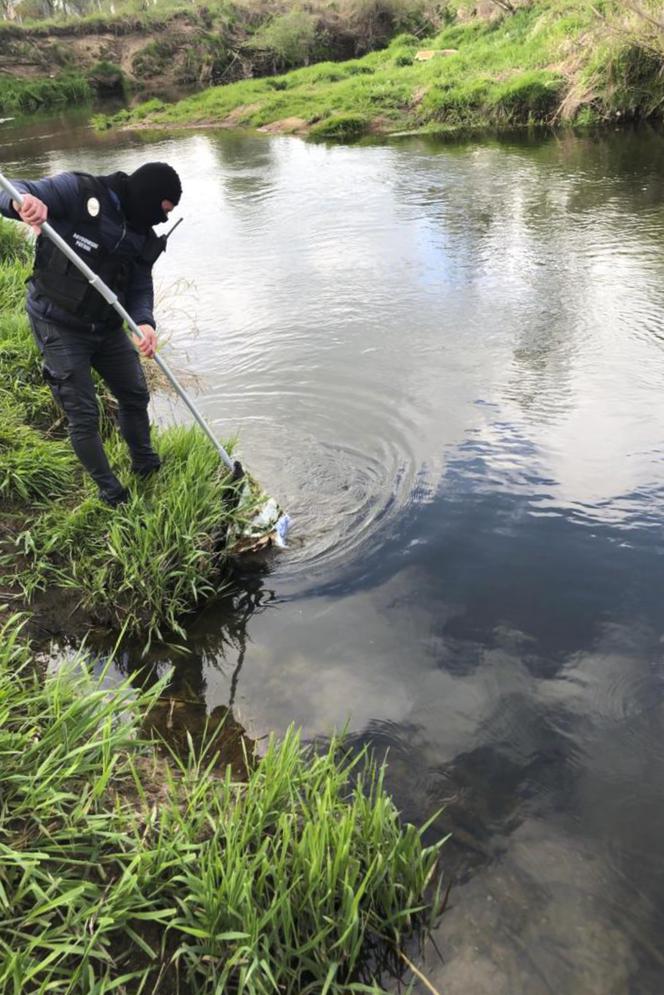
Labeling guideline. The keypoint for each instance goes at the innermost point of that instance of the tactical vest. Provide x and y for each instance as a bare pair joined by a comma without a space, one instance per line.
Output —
63,284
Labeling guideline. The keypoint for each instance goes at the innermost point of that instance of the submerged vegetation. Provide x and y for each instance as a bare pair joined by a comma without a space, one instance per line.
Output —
531,63
141,567
127,870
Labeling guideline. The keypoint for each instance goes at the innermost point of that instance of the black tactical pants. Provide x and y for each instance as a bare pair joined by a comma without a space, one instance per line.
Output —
69,357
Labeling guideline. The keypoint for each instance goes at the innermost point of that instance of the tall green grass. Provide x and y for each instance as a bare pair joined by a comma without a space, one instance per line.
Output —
31,468
125,870
147,564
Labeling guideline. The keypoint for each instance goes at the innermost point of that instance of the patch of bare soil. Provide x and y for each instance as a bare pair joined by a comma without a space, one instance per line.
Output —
49,614
38,56
236,116
286,126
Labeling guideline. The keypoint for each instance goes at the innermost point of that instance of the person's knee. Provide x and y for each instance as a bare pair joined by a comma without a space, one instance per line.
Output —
134,395
128,383
135,400
83,422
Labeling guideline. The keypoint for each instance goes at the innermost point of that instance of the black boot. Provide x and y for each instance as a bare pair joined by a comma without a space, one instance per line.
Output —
115,498
146,470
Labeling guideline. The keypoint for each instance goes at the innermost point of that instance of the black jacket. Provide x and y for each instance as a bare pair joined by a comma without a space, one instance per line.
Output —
61,194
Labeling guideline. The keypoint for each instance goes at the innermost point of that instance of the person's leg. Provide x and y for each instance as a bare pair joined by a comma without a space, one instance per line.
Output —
66,369
118,364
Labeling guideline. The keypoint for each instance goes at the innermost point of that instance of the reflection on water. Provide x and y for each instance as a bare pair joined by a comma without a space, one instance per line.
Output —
446,361
182,715
181,722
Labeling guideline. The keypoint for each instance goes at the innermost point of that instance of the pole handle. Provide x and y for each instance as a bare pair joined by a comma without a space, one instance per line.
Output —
10,189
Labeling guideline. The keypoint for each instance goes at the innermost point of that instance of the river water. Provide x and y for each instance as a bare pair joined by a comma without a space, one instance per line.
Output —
446,361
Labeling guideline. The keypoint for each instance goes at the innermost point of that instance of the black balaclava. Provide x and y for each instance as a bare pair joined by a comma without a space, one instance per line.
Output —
144,190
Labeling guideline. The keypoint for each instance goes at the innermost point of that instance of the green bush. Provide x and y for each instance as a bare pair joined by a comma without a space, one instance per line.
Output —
406,41
23,96
289,37
105,69
154,59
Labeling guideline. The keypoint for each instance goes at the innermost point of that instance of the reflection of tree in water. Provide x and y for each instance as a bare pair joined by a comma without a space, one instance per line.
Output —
218,638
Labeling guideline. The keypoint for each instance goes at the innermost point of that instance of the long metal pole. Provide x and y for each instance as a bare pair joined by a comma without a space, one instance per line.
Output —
112,299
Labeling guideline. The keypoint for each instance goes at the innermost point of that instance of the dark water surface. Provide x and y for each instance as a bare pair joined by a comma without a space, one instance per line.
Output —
447,362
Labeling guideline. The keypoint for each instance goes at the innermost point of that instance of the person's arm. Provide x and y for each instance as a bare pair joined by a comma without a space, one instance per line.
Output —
53,197
139,302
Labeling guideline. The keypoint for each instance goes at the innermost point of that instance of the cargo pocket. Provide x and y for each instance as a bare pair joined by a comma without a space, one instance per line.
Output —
44,332
57,383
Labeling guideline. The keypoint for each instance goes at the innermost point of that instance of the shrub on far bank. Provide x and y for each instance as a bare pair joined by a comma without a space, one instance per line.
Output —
290,38
19,96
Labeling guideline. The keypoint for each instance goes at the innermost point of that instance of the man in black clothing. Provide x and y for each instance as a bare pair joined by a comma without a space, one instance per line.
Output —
108,221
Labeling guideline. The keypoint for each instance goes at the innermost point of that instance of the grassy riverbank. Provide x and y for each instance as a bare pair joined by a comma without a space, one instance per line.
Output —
126,869
549,61
142,567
